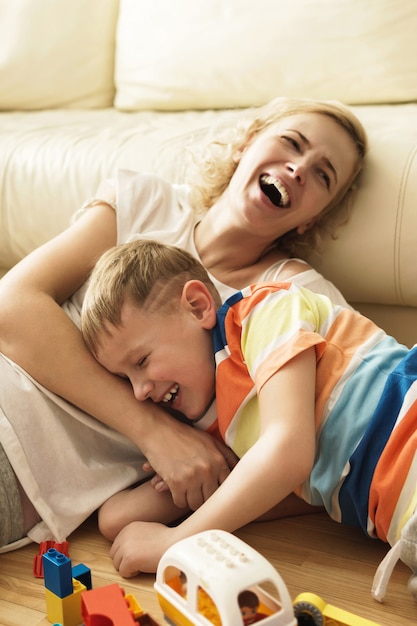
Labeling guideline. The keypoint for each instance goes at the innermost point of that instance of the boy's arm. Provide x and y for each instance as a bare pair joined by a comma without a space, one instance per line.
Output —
38,335
279,462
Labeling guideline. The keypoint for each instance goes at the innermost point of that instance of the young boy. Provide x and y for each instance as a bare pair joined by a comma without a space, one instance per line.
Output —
312,397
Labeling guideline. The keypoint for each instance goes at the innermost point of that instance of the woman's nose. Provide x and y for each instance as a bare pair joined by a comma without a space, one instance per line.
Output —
298,171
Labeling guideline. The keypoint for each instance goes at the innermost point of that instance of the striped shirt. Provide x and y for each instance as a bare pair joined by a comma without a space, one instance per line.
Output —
365,466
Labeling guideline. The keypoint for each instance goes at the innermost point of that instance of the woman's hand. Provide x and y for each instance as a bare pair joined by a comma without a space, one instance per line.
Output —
188,462
139,546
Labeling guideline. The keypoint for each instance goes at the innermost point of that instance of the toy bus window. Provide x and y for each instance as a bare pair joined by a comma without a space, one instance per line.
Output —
177,580
207,607
258,602
251,608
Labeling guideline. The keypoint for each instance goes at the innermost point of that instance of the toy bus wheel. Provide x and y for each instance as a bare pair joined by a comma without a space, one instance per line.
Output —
308,610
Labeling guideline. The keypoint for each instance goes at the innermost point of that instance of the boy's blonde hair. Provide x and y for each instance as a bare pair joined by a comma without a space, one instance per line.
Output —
145,273
214,169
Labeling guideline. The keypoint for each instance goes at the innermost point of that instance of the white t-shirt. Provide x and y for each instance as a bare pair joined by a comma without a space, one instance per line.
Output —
68,462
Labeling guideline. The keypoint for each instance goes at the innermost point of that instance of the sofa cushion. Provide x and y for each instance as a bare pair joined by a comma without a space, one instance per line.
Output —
199,54
57,54
52,161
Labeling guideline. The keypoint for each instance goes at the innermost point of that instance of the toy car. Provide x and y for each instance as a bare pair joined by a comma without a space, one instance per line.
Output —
214,578
311,610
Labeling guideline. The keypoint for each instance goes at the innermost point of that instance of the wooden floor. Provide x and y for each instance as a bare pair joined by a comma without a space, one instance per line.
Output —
311,553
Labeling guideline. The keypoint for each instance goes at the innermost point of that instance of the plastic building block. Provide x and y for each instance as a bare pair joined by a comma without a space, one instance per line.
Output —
64,585
133,605
66,611
312,609
82,573
106,606
44,546
141,618
57,573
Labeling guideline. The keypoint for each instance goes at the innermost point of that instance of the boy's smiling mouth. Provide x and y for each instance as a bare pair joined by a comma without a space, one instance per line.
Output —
171,395
275,191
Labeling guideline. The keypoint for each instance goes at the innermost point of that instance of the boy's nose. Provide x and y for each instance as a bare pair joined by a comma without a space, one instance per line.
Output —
142,390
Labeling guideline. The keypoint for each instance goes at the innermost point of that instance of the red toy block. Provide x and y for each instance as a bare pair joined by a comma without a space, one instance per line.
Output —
44,546
106,606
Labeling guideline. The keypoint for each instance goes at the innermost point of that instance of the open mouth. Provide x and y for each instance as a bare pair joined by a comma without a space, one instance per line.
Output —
275,191
171,395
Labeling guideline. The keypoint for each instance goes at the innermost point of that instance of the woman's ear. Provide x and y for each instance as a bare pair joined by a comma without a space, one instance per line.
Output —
302,228
238,153
197,300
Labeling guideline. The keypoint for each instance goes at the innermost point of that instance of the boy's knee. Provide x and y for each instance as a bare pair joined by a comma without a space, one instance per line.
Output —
108,521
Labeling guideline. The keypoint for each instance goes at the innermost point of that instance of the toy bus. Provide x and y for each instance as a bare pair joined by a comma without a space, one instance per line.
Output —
215,579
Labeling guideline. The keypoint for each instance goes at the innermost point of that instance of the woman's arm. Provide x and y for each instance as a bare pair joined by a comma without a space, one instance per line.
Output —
38,335
279,462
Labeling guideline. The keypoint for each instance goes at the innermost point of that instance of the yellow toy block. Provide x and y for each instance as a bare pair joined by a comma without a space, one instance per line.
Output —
66,611
133,605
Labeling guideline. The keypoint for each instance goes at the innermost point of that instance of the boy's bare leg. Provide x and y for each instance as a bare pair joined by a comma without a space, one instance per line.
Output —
290,506
142,503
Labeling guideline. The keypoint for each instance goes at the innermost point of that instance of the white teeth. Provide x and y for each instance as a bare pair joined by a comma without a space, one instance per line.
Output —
270,180
169,396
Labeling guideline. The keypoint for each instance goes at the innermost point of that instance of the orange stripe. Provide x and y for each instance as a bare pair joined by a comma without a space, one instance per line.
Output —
391,472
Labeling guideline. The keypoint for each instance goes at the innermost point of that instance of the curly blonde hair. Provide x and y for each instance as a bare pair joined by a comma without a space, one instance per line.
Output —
213,169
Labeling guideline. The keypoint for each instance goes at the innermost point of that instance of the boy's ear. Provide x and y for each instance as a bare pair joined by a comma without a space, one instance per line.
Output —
197,299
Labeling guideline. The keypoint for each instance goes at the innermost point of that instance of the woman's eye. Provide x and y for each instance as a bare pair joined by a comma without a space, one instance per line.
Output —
325,177
292,141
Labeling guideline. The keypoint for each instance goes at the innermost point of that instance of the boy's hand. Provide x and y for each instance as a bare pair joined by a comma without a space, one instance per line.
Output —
188,462
139,546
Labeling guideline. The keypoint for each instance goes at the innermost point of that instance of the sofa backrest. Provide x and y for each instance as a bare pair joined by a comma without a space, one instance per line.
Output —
202,54
57,53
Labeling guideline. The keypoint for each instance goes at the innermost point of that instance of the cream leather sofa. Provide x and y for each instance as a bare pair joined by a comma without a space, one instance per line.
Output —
88,86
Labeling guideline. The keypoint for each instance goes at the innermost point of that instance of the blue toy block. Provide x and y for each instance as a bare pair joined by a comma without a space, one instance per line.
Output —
57,573
82,573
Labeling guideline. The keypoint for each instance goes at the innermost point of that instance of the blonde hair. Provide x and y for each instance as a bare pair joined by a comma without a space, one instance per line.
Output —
145,273
213,170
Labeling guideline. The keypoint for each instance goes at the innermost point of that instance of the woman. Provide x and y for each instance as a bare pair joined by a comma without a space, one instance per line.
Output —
271,192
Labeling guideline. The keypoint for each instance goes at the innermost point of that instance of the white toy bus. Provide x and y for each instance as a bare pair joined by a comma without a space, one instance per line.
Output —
215,579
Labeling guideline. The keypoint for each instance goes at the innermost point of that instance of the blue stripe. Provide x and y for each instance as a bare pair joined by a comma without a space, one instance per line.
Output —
354,494
219,333
349,416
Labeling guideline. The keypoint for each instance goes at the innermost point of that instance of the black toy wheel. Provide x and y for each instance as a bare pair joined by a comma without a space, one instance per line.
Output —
308,614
